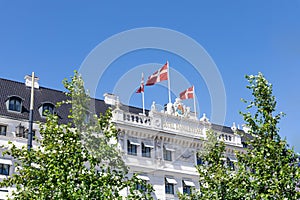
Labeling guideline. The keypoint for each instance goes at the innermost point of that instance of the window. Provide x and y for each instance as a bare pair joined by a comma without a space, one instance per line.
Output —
15,104
20,131
132,147
4,169
199,159
230,162
169,185
23,133
167,154
146,150
47,108
187,186
231,165
3,130
142,185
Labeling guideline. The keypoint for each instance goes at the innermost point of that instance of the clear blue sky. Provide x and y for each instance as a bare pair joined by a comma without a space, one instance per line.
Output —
242,37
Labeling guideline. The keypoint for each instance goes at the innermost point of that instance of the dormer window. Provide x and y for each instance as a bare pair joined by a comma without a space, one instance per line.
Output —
46,108
14,103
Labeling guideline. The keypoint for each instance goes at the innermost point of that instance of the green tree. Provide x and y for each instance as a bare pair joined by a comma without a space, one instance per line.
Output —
215,175
268,169
78,160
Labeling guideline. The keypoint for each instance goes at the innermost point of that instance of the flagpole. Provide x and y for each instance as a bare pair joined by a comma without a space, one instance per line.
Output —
169,87
195,102
143,97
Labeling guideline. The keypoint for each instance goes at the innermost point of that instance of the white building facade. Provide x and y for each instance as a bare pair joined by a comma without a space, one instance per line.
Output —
160,146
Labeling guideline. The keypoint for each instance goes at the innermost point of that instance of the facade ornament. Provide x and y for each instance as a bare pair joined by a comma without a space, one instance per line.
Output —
233,128
153,106
204,118
178,107
170,109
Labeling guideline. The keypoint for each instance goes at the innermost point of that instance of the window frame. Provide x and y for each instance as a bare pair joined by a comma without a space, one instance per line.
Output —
167,154
131,148
2,169
141,187
169,187
146,151
12,106
48,105
199,160
186,189
2,126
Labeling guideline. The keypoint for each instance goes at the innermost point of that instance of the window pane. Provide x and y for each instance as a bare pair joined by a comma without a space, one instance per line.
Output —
131,148
14,104
146,151
167,155
47,107
2,130
4,169
169,188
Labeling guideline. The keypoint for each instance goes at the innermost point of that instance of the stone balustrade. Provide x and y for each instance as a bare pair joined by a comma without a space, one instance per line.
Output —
171,123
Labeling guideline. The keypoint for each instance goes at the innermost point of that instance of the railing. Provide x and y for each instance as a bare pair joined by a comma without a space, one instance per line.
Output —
183,125
180,125
137,119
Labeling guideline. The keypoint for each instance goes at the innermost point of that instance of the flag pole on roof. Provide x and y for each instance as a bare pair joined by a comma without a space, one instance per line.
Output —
141,90
189,94
169,84
195,109
160,75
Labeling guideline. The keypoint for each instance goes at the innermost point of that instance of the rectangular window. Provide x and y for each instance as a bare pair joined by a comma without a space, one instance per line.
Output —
3,130
169,185
199,159
187,187
131,148
230,162
141,186
146,151
167,155
4,169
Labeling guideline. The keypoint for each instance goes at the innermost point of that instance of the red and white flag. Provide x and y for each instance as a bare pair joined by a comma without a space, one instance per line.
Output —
141,88
159,75
187,94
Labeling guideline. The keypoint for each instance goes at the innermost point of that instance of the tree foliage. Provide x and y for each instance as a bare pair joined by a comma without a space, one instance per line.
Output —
268,168
78,160
214,173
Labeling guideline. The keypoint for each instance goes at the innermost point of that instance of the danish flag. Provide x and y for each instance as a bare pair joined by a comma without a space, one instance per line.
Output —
187,94
141,88
159,75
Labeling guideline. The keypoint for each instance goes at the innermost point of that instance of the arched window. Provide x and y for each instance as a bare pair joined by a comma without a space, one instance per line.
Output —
15,104
45,108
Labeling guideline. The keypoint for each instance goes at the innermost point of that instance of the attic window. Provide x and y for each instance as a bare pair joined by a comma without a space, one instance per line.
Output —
47,108
14,103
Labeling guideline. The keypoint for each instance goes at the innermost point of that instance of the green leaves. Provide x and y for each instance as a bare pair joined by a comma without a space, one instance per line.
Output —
267,170
73,161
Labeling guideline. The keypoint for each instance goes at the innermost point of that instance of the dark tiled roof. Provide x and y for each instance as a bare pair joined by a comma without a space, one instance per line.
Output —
221,128
42,95
46,95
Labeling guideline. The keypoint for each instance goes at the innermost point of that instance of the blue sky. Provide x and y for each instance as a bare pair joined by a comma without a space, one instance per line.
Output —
53,38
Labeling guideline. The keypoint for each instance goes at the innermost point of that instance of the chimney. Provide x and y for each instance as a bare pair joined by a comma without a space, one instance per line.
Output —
28,81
